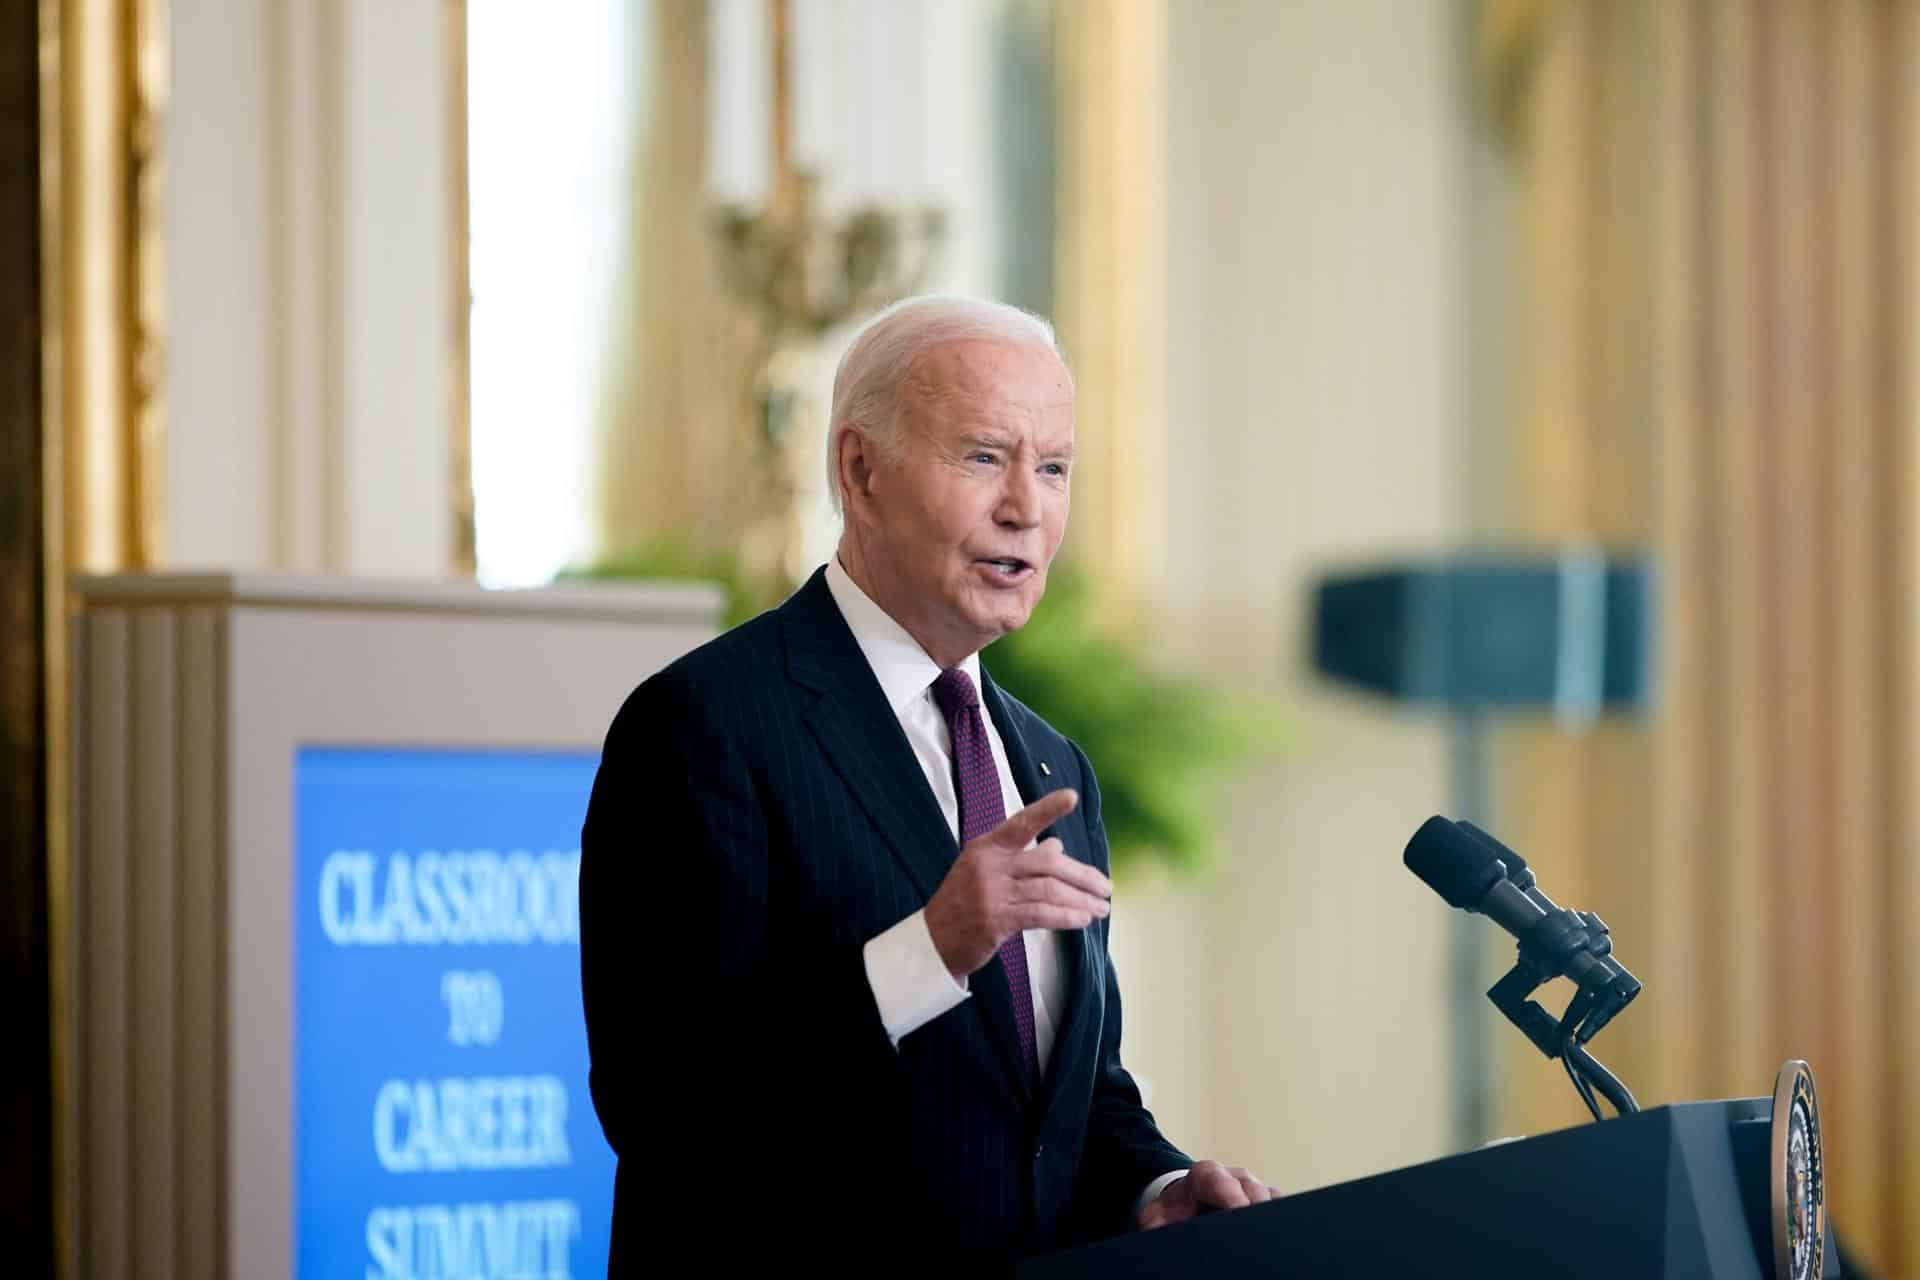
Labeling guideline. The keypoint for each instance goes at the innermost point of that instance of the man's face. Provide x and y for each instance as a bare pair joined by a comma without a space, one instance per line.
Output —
963,517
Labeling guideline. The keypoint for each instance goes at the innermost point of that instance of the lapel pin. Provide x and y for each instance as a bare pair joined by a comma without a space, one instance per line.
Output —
1045,772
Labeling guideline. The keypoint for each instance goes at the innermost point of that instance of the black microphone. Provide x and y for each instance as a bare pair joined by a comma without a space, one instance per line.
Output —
1623,986
1477,873
1517,869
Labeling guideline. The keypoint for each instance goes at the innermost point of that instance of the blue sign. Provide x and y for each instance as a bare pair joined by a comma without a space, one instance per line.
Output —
442,1124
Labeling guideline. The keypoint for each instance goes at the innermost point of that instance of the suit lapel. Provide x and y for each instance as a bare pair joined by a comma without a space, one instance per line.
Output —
1074,954
1026,771
862,737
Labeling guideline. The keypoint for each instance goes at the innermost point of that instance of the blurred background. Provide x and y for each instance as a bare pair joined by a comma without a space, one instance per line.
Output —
433,288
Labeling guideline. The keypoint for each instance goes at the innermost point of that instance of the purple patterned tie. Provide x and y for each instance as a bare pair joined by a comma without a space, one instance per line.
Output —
982,808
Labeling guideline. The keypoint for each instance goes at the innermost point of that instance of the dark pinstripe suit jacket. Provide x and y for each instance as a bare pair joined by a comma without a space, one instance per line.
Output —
758,816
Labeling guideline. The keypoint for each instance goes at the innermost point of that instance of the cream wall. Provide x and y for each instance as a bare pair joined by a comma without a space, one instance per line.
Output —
310,328
1291,1015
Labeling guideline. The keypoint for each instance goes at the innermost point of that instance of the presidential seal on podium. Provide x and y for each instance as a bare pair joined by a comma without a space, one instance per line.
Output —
1798,1198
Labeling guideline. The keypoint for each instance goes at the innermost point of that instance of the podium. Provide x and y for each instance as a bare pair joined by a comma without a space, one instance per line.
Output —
1679,1191
324,951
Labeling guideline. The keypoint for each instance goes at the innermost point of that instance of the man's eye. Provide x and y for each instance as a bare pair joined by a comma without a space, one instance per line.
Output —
984,457
1055,469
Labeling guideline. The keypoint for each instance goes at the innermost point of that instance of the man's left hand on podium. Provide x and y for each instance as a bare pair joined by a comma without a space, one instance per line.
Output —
1208,1186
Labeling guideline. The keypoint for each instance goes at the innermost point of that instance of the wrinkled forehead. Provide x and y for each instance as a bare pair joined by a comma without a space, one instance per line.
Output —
981,371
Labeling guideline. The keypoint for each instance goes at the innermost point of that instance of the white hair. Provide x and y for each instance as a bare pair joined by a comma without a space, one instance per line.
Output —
866,386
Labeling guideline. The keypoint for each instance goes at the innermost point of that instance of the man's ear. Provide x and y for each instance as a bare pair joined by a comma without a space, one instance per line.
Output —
854,463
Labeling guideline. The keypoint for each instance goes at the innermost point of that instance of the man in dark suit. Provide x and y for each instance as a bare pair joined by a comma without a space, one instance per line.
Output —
844,901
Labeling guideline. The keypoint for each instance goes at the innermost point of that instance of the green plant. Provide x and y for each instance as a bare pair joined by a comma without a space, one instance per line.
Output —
1160,744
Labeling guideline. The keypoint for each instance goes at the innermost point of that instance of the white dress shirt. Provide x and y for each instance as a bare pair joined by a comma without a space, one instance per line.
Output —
911,983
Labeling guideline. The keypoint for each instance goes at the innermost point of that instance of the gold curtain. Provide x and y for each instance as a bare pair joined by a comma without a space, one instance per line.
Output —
102,93
1717,304
1111,283
677,449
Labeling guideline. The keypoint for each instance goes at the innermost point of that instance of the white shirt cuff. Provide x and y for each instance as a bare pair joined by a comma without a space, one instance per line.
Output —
1154,1189
911,985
